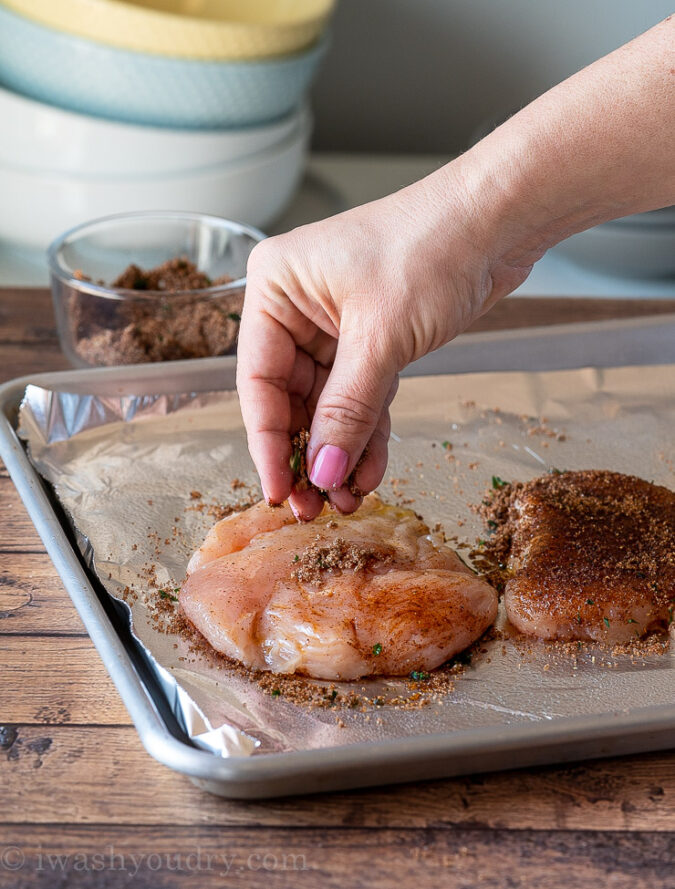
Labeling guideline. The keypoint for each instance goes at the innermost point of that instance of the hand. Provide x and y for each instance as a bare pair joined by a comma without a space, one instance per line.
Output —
334,311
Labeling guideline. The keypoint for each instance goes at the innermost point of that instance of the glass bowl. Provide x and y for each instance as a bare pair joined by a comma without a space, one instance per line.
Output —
100,324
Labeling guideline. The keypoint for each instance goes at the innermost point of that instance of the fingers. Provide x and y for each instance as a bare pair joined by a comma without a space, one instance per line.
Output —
266,362
306,505
344,501
347,412
369,473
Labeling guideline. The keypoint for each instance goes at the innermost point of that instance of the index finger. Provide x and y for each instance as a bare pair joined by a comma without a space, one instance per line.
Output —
265,360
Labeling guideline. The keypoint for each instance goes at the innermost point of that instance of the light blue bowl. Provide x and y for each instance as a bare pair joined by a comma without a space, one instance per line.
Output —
84,76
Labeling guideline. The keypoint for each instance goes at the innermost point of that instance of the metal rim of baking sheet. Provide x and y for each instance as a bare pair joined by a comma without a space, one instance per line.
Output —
616,343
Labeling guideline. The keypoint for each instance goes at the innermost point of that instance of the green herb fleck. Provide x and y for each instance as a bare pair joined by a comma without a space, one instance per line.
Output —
578,617
377,649
295,462
233,316
419,675
446,445
498,482
165,594
296,558
276,692
590,602
631,621
606,621
480,542
331,697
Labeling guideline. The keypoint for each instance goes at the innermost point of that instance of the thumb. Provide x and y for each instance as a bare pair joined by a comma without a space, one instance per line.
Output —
347,411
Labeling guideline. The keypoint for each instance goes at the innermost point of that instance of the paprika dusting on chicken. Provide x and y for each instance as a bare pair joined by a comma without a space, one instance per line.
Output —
338,598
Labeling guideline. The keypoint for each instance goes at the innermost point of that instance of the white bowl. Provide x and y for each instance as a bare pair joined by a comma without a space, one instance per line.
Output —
664,216
44,138
36,207
136,87
623,248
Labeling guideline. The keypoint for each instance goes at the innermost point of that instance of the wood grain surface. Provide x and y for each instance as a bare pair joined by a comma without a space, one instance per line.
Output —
84,805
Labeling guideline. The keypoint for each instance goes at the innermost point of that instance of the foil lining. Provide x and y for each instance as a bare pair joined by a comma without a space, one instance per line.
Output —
123,469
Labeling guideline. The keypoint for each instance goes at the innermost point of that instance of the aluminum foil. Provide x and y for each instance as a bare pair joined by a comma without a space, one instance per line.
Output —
124,468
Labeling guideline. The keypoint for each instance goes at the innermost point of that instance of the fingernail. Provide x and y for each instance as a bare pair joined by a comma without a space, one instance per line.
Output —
295,512
329,468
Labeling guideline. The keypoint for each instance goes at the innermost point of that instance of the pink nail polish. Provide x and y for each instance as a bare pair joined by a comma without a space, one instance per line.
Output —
265,494
330,468
295,512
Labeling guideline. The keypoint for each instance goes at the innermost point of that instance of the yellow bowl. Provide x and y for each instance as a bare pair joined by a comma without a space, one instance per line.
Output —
190,29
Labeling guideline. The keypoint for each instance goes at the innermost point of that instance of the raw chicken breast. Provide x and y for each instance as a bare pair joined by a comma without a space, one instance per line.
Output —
337,598
593,557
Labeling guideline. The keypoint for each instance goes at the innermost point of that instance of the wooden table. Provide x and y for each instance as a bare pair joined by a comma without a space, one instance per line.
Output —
82,804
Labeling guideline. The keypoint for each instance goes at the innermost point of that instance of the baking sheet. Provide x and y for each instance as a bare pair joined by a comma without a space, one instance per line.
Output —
124,467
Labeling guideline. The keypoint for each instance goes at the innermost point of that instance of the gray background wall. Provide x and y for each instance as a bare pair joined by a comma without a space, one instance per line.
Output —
421,75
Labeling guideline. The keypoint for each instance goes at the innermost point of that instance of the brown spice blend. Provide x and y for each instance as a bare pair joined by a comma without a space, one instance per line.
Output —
298,463
160,328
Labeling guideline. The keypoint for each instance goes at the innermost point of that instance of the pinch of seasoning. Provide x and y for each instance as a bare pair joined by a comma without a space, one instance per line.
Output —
339,555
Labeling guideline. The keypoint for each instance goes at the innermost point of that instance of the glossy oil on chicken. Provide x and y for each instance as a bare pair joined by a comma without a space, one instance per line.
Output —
592,557
338,598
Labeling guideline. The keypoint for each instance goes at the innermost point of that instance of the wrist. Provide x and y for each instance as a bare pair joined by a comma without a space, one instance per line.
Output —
505,212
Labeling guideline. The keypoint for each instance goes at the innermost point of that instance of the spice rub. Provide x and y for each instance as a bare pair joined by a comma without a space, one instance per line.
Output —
337,555
300,470
340,598
587,555
171,324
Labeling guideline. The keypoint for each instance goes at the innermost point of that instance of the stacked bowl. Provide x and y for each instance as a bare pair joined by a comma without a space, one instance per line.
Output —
119,105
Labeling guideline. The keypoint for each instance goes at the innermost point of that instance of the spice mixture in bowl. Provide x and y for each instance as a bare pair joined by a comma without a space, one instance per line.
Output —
143,287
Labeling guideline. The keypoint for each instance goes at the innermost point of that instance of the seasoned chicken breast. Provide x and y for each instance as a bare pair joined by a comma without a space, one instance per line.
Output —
339,598
592,556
